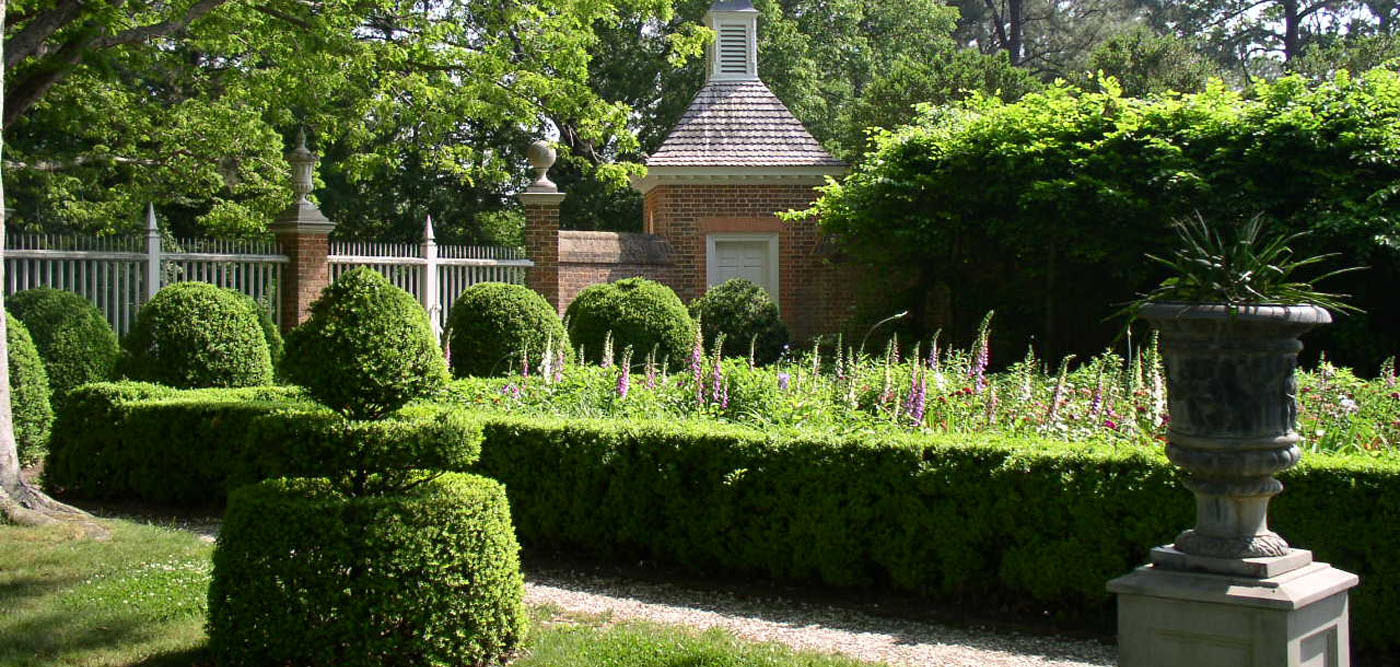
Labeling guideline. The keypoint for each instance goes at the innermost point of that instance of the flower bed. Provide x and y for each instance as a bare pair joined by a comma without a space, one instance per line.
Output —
1106,399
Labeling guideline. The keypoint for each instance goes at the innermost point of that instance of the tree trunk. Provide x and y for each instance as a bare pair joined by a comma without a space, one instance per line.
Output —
1015,19
20,502
1291,21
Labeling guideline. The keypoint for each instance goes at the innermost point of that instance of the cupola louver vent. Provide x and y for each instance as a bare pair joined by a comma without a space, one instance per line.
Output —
733,49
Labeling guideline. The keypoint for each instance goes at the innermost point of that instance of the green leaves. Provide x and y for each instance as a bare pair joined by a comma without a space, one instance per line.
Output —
1240,268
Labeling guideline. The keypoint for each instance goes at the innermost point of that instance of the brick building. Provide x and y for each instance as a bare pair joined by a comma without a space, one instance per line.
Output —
736,158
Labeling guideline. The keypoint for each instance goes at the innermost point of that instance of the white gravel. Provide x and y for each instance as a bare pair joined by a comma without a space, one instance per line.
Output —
808,626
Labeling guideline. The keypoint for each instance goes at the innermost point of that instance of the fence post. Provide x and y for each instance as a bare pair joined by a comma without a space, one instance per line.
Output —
542,199
152,253
304,234
432,301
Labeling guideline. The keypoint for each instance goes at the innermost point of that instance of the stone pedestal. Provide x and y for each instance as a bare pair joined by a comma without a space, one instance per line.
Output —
1175,612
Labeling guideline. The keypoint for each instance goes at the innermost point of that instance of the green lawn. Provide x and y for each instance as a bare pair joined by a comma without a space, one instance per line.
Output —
138,599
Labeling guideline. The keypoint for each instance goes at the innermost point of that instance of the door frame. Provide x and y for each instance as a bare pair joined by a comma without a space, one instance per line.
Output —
771,238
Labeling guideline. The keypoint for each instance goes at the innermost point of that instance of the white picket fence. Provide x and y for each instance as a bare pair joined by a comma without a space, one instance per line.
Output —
432,273
120,273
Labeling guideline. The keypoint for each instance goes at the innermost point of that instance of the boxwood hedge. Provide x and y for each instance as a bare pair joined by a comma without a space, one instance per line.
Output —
1038,526
30,400
428,576
146,442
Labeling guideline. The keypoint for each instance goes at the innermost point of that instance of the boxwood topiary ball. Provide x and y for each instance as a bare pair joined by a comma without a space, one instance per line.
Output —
74,339
492,323
29,394
367,348
304,575
640,313
194,334
743,312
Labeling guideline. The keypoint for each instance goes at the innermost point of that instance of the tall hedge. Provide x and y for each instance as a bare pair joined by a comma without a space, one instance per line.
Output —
1043,209
491,324
430,576
73,337
1032,525
367,348
195,334
29,393
637,312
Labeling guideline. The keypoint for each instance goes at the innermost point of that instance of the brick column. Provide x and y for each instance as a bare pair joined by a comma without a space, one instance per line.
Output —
304,235
542,199
305,275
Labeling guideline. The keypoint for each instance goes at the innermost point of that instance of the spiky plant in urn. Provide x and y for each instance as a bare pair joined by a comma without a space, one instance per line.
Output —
1229,318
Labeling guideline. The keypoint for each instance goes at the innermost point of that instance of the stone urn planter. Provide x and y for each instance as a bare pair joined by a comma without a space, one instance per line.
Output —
1232,398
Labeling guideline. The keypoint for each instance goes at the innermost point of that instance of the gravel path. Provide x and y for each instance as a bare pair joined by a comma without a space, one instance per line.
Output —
807,626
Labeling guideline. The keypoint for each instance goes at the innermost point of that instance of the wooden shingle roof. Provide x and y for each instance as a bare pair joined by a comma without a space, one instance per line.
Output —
739,124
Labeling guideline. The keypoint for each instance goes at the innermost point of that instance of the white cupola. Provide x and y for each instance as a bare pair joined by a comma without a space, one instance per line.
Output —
734,54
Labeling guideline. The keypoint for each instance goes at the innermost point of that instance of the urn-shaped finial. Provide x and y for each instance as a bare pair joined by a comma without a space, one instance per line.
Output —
303,167
541,156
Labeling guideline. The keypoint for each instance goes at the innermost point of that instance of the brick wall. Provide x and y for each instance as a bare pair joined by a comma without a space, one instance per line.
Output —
589,258
815,293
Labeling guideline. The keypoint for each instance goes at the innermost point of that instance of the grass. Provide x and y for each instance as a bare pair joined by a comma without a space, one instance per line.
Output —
139,599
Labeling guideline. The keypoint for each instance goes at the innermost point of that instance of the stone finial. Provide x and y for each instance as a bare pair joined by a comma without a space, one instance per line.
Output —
303,166
541,156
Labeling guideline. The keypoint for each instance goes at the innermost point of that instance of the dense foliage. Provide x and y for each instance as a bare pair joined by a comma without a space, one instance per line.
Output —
136,441
493,327
1043,209
635,313
423,109
429,576
29,393
76,342
983,520
747,317
366,349
193,334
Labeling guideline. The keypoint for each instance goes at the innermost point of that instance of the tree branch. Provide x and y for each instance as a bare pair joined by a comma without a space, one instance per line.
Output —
32,36
162,29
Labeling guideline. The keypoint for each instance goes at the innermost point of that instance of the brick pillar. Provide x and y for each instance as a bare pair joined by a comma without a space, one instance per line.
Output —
305,275
304,234
542,199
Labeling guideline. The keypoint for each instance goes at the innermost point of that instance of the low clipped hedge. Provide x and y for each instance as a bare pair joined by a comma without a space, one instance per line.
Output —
76,342
137,441
491,324
30,401
445,580
638,313
194,334
1037,526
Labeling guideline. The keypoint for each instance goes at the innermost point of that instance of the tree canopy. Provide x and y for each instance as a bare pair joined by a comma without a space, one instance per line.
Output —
1043,209
191,103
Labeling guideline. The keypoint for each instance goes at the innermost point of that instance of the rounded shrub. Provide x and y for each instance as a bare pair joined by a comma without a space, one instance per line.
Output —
637,312
491,324
29,393
367,348
75,341
269,329
304,575
194,334
745,314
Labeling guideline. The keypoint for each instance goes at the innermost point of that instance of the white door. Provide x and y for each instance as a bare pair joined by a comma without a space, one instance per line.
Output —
741,259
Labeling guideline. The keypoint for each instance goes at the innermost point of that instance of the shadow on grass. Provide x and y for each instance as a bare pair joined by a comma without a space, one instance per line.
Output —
192,657
20,590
